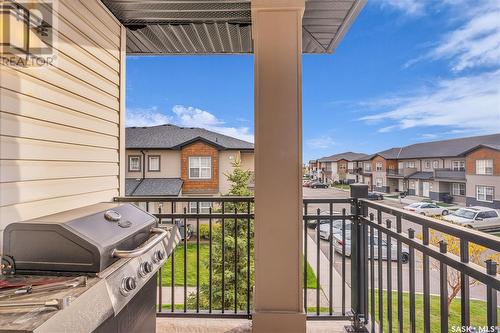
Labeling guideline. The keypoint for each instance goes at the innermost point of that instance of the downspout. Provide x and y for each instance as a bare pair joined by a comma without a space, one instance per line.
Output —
143,164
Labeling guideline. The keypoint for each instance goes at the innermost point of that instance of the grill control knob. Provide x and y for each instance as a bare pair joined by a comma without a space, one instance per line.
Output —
159,256
145,268
128,284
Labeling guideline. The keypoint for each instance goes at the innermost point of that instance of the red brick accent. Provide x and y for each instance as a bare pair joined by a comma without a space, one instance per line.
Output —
379,159
342,166
199,148
482,154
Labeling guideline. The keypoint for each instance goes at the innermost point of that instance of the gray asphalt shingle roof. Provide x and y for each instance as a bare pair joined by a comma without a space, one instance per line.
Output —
152,186
173,137
348,156
442,148
424,175
445,148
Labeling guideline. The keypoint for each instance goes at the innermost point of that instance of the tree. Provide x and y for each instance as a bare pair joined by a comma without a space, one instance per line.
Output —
477,255
235,251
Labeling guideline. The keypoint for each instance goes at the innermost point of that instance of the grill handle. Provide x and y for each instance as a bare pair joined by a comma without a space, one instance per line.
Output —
160,234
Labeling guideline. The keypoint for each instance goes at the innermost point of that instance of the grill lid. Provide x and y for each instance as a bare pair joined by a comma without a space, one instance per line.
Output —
78,240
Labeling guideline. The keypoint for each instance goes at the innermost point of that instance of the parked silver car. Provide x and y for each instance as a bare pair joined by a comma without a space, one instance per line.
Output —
324,228
338,244
477,217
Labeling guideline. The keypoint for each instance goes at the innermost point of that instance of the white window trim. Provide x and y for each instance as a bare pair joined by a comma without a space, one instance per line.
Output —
485,187
485,167
410,165
435,164
200,168
130,164
453,189
149,163
461,165
377,182
203,205
428,164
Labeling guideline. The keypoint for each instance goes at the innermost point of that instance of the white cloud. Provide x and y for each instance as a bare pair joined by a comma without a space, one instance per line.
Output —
470,104
150,116
192,117
321,142
186,116
475,43
475,40
409,7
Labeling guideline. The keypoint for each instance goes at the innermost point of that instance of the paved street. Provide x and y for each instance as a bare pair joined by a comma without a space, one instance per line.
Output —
478,291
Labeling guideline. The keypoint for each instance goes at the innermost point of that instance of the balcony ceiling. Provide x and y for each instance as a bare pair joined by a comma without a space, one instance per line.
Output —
221,26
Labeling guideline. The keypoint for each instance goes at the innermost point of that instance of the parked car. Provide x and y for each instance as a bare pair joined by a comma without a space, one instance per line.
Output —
324,228
476,217
426,208
375,196
338,244
323,218
318,185
307,183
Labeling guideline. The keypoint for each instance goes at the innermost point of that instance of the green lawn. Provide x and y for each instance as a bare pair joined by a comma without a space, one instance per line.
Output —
477,312
342,186
166,271
392,196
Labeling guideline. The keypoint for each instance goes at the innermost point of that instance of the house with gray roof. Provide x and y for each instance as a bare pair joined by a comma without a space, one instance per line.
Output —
169,160
338,167
466,169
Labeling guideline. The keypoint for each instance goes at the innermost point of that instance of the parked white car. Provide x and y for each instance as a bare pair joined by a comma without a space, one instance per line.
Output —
426,208
324,228
476,217
338,245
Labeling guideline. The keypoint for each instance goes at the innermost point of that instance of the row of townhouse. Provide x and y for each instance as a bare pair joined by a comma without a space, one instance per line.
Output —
468,169
171,161
336,168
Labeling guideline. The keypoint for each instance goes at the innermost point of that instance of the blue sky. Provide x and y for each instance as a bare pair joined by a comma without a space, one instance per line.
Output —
407,71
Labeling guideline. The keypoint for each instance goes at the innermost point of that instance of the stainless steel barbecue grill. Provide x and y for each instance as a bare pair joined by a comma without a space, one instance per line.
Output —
113,249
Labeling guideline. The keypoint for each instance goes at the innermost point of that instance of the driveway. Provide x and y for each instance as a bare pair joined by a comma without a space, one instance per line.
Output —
477,292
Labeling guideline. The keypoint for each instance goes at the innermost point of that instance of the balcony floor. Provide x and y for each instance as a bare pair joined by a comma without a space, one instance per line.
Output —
202,325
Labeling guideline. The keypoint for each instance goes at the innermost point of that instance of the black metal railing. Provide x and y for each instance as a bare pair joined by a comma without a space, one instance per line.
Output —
364,261
424,243
216,274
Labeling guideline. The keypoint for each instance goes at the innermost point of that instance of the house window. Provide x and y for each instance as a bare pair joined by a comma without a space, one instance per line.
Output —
204,207
134,163
435,164
378,166
484,167
458,189
484,193
367,167
458,166
427,164
379,182
410,164
200,167
154,163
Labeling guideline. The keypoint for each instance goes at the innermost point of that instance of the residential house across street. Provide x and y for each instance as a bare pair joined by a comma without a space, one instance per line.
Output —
336,168
169,160
465,170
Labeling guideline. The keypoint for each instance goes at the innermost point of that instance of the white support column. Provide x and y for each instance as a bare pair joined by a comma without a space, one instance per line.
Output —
277,35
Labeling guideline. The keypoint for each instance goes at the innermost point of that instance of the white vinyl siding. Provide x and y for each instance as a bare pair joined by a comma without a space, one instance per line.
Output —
200,167
484,193
62,126
484,167
458,189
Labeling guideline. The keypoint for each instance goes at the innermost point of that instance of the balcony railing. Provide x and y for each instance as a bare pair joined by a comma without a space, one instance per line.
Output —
349,271
449,174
